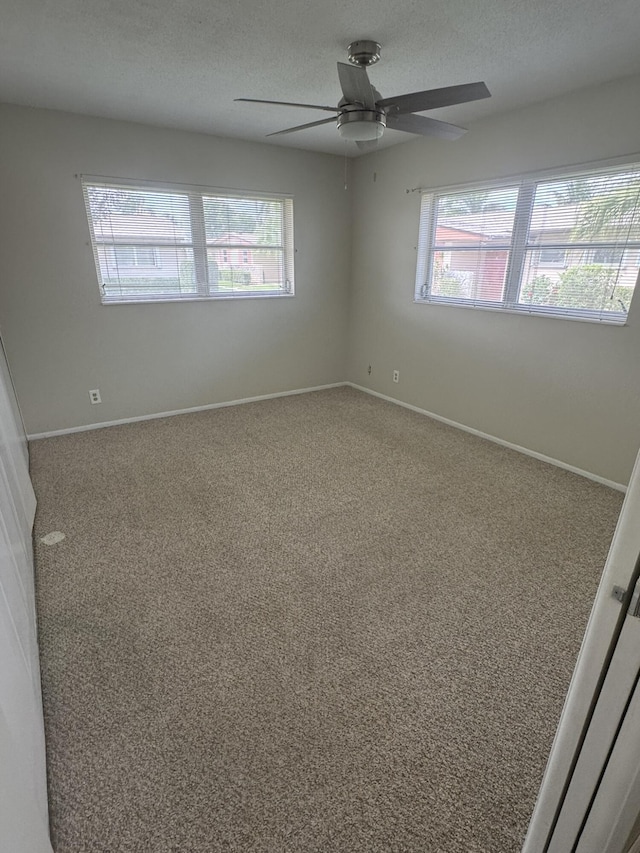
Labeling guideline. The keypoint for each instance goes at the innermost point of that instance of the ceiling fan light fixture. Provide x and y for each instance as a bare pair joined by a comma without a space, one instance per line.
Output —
361,125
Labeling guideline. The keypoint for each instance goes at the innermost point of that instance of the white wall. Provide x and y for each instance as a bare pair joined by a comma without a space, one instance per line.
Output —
23,794
567,389
559,387
61,341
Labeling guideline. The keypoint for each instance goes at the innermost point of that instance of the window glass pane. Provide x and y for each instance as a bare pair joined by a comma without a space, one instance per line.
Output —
594,218
478,218
135,256
477,274
608,256
124,256
262,271
142,242
145,257
172,275
138,216
252,221
551,257
601,208
581,283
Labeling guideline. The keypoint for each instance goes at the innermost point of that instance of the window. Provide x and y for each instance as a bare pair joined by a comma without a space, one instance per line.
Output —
608,256
566,246
135,256
172,242
551,258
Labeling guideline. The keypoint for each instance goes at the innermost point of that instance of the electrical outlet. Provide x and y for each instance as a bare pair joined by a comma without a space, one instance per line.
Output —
94,396
369,370
396,376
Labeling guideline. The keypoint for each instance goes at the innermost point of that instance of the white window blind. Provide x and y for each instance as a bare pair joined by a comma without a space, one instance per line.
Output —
162,243
567,246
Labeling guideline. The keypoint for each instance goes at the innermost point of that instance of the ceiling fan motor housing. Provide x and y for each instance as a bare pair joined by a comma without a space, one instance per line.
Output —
363,52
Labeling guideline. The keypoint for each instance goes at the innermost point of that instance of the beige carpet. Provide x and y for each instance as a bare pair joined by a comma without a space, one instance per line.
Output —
318,623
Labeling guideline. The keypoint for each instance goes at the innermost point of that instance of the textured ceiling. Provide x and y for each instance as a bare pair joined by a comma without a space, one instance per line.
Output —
180,63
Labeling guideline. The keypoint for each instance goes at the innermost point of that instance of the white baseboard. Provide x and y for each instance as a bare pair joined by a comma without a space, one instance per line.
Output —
86,427
550,460
595,477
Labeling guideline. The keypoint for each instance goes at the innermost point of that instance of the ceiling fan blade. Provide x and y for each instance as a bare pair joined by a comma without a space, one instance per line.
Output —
431,99
355,85
424,126
367,144
288,104
302,126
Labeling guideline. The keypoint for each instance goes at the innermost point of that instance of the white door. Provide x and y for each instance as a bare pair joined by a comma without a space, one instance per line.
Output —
590,795
23,793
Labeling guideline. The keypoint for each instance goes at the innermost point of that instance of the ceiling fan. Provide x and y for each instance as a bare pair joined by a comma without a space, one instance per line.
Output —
362,114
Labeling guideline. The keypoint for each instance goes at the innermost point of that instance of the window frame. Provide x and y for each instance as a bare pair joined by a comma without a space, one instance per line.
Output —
519,245
199,244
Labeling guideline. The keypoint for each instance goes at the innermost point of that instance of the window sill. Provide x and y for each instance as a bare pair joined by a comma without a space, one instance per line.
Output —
525,312
240,297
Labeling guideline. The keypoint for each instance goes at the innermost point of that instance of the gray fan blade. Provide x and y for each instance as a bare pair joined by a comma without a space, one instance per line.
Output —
367,144
417,102
355,85
302,126
424,126
288,104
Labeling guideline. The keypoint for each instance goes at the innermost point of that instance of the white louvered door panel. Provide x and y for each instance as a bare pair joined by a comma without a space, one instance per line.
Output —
23,792
588,801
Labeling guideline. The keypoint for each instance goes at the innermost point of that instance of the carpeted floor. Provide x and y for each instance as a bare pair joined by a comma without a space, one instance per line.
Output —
318,623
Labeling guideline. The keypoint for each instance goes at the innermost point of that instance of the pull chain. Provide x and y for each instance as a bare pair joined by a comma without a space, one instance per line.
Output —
345,164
